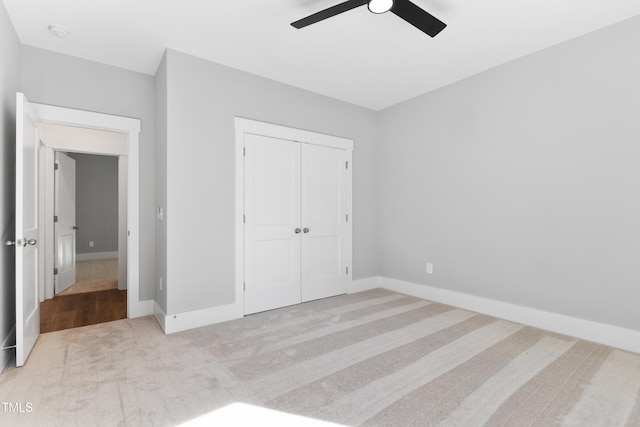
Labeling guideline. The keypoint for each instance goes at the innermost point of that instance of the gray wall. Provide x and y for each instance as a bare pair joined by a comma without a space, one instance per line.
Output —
202,100
522,183
9,79
96,203
52,78
161,179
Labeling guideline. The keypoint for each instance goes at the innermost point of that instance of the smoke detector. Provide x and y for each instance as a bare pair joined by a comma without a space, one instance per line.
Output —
58,31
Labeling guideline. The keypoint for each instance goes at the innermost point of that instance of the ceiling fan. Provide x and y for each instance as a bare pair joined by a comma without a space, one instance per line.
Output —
405,9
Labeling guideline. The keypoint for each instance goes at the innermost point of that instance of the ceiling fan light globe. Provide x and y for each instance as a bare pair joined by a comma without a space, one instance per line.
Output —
380,6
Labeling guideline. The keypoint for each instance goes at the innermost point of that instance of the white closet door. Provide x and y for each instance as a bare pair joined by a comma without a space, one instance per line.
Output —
272,217
324,222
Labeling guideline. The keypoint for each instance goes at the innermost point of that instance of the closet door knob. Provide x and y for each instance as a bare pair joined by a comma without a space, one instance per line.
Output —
306,230
297,230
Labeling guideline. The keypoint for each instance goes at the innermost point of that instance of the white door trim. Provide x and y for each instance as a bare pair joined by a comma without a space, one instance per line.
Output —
247,126
130,127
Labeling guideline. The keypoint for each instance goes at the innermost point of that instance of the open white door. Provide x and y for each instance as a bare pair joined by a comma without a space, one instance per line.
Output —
65,221
27,303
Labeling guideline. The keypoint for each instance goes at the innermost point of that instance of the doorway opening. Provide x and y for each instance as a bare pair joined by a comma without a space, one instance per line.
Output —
71,130
86,258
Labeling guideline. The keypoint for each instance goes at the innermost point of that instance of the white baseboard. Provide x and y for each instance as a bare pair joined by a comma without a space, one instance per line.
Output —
610,335
365,284
141,309
7,355
94,256
171,323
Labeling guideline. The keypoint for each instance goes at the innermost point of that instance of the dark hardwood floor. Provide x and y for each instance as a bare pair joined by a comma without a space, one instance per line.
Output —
72,311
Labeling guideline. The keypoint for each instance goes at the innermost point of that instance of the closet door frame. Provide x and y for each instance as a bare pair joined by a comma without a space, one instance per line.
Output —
245,126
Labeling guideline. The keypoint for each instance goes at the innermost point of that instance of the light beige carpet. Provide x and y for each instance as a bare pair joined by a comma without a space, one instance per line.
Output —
96,275
375,358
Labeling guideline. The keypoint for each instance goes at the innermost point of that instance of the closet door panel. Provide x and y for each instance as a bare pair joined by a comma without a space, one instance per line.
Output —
324,210
272,215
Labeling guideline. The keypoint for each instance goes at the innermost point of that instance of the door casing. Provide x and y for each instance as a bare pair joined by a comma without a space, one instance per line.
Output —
129,162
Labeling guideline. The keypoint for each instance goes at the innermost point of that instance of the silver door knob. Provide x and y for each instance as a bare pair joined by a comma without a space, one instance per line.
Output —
75,227
297,230
306,230
21,242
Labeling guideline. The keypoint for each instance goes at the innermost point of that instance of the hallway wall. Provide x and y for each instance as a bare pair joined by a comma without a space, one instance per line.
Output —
51,78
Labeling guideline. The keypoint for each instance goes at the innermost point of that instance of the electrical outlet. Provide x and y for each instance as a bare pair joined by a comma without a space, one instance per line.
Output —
91,243
429,268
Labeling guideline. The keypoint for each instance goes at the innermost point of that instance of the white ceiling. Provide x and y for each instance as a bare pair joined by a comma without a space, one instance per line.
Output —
370,60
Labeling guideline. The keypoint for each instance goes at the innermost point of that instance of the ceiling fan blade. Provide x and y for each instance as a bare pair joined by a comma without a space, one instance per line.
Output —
328,13
418,17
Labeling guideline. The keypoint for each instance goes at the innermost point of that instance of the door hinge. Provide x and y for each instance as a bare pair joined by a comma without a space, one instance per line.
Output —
244,152
55,271
347,270
55,218
244,286
347,217
56,166
347,165
244,218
